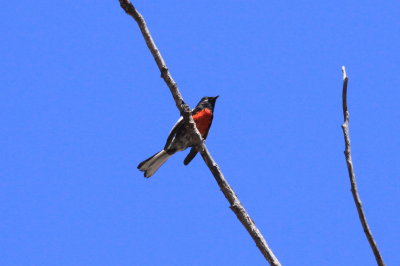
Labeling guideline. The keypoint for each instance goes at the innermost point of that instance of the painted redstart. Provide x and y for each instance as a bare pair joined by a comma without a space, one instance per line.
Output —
180,138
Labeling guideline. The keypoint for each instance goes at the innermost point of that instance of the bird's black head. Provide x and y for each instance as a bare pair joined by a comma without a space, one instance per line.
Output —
207,102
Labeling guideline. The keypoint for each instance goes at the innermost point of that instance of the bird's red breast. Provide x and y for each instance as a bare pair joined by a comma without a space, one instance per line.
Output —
203,120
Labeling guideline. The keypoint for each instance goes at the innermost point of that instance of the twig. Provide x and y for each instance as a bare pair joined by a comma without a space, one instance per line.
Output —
230,195
354,191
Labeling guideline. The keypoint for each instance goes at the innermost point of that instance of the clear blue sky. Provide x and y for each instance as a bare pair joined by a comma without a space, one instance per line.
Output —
82,104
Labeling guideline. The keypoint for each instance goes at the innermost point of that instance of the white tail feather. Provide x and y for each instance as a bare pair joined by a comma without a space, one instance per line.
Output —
150,166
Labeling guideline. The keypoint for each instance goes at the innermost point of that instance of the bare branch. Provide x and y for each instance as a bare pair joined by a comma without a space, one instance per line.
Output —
238,209
354,191
230,195
180,104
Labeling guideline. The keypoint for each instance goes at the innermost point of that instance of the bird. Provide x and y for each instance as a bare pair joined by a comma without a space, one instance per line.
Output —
180,138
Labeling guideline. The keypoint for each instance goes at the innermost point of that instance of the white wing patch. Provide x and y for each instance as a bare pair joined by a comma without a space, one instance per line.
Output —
177,122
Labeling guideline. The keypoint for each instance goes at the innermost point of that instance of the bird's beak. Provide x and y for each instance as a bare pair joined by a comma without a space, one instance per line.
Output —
216,97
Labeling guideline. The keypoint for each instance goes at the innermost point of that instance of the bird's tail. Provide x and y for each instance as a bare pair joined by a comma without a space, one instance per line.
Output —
151,165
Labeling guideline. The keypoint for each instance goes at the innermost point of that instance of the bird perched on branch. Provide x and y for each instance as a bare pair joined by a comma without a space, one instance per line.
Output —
180,137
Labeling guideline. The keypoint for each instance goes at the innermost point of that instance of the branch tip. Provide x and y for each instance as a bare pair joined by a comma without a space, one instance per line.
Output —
352,176
344,72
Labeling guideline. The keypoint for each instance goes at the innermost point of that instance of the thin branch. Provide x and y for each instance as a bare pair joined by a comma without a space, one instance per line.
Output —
180,104
230,195
354,191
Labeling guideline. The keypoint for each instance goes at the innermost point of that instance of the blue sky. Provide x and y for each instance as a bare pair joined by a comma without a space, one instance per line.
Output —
83,104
